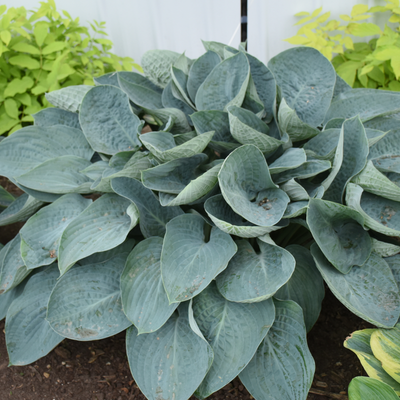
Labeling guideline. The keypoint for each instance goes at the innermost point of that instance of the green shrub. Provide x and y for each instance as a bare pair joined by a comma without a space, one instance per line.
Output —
212,235
41,51
375,64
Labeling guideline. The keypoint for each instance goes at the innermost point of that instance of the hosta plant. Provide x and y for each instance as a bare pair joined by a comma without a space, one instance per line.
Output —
208,235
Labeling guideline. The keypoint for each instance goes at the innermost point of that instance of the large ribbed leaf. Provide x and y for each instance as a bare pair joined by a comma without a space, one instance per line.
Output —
167,115
386,147
385,249
339,232
102,226
69,98
247,128
56,116
225,86
354,159
179,85
20,209
362,388
172,362
28,334
169,100
385,345
42,232
234,331
140,90
290,159
153,217
13,269
309,94
255,276
199,71
59,175
283,367
359,343
33,145
108,122
228,221
144,299
369,291
380,214
365,103
7,298
305,286
324,144
247,187
107,79
193,254
85,304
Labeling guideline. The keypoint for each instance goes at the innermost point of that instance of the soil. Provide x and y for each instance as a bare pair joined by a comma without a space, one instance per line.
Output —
99,370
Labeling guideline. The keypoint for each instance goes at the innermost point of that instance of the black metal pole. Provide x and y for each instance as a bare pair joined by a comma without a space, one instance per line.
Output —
243,35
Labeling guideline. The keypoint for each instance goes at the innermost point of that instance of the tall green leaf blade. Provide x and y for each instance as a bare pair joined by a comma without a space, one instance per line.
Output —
153,217
252,277
169,363
369,291
102,226
20,209
212,94
234,331
56,116
68,98
41,234
362,388
28,334
108,122
306,80
144,299
189,259
305,286
283,367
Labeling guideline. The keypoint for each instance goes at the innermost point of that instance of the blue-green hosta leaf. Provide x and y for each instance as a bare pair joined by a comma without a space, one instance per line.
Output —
179,86
172,362
85,304
69,98
290,123
339,233
385,249
13,269
169,100
373,181
283,367
252,101
255,276
359,343
305,286
247,187
41,234
59,175
295,209
386,147
191,257
163,146
355,152
232,73
363,388
28,334
306,80
5,198
247,128
20,209
297,192
394,262
107,79
144,299
33,145
216,47
217,121
290,159
56,116
228,221
234,331
374,135
341,86
199,71
369,291
180,122
102,226
365,103
264,83
108,122
306,170
157,64
323,145
140,90
153,217
7,298
380,214
335,123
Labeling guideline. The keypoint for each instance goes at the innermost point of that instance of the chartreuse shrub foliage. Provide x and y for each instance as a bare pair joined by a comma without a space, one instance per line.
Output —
375,64
210,237
42,51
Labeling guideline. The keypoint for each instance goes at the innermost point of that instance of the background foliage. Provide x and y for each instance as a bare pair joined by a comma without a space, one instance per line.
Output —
375,64
45,50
